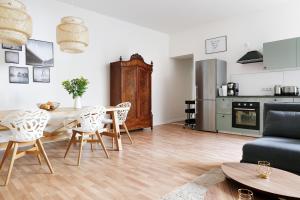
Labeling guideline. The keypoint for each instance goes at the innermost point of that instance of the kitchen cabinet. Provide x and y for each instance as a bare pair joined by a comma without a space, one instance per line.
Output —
224,112
224,105
224,117
297,100
224,123
281,54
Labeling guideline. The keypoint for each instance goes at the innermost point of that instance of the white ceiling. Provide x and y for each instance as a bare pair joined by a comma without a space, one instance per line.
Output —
171,16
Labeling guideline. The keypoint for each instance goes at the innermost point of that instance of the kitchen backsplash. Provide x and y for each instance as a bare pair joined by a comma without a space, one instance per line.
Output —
263,83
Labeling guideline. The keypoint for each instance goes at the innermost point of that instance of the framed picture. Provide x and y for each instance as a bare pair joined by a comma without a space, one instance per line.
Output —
39,53
12,47
11,57
41,74
215,45
18,75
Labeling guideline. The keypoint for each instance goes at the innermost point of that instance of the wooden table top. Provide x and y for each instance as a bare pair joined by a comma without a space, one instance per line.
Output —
228,190
66,112
279,183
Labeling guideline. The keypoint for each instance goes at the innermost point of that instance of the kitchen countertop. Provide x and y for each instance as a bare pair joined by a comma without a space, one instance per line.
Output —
259,96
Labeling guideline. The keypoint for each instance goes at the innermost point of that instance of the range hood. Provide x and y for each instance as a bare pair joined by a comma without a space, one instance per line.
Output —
251,57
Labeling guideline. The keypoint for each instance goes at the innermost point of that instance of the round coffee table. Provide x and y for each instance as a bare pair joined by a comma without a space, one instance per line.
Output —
281,183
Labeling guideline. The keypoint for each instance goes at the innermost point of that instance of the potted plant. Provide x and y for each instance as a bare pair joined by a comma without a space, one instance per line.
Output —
76,87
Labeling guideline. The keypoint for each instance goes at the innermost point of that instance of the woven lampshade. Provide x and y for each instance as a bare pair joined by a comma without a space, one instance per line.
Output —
72,35
15,23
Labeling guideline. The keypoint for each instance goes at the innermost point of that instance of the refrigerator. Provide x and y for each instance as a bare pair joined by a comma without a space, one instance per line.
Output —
210,75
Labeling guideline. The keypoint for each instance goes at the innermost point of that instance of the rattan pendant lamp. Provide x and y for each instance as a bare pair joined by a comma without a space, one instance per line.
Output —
15,23
72,35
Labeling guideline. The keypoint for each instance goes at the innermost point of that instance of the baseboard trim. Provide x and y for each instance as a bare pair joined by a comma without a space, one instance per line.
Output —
169,121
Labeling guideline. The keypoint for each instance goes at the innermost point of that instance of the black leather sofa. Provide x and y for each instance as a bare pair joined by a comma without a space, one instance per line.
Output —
280,144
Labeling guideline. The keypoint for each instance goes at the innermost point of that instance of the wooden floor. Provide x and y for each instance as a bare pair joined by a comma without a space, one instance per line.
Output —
154,165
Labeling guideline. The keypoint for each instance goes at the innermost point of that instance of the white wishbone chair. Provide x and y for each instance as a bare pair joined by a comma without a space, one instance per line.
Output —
90,121
121,116
26,129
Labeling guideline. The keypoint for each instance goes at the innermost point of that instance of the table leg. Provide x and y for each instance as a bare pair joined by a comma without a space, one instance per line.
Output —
116,128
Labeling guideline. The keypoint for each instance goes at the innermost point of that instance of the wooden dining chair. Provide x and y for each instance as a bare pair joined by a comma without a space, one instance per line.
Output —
26,129
121,116
91,125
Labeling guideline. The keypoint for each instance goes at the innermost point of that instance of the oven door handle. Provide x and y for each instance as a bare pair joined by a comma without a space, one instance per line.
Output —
246,109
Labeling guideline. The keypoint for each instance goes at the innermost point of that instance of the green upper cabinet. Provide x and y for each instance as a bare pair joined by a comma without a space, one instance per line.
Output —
281,54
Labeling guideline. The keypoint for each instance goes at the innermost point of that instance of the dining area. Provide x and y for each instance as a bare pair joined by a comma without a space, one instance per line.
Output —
50,149
24,132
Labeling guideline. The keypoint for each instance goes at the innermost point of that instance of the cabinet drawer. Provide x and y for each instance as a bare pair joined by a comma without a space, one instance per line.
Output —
224,105
297,100
239,99
224,122
279,100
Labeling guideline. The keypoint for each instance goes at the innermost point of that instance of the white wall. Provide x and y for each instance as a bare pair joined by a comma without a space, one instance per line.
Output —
109,39
255,29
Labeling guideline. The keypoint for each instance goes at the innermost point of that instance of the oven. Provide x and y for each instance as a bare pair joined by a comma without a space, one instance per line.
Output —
245,115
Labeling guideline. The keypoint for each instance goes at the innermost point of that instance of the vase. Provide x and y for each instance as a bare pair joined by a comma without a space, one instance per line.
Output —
77,103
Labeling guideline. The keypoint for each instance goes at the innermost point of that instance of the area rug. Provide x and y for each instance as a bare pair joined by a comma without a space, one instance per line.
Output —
196,189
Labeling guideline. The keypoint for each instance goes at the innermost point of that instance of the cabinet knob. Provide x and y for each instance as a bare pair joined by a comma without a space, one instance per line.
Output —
275,99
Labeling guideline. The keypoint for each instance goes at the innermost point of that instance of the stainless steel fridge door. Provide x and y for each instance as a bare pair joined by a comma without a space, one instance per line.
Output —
221,73
206,115
206,83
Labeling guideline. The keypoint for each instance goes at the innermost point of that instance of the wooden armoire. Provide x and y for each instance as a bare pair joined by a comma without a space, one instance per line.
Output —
131,81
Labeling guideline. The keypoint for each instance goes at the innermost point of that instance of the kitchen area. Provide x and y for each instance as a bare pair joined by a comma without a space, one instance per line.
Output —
244,115
233,106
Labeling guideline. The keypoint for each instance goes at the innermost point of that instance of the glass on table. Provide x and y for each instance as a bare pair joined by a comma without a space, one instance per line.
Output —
245,194
264,169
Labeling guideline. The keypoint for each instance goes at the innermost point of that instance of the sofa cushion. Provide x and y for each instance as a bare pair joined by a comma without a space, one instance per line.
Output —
282,153
282,124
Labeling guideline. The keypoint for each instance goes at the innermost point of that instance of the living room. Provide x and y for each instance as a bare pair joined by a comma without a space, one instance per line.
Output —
94,95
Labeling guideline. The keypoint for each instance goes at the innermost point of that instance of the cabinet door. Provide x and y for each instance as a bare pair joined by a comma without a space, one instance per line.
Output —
206,115
224,105
224,123
206,80
144,95
280,54
129,91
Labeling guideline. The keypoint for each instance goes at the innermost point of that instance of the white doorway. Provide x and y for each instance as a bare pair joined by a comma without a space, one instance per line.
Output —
184,71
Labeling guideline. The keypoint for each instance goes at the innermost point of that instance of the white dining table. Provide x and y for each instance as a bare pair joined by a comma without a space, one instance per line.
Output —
69,115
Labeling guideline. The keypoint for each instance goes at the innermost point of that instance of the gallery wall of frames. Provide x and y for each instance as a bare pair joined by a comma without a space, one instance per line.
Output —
39,59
